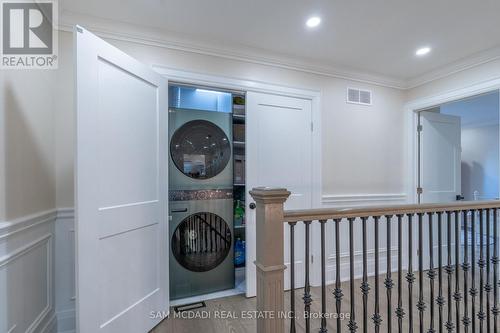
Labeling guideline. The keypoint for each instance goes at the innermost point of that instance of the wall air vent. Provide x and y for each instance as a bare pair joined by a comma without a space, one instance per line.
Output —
358,96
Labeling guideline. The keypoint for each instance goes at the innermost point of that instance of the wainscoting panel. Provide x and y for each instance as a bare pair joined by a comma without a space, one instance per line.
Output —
27,274
65,270
353,200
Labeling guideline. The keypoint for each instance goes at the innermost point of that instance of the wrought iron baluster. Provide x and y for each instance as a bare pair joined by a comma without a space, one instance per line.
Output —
481,315
377,319
338,291
307,288
449,271
465,268
473,290
399,310
352,321
457,296
431,273
410,276
365,287
323,279
440,299
292,276
388,279
494,261
487,287
421,303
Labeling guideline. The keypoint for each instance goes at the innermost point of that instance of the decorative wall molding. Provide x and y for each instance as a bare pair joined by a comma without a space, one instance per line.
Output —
22,237
362,199
24,223
478,59
153,37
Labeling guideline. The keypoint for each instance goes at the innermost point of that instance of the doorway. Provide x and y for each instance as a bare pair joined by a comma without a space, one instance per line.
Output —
458,159
458,150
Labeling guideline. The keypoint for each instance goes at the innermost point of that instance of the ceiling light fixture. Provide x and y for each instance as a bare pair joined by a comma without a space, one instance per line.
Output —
313,22
423,51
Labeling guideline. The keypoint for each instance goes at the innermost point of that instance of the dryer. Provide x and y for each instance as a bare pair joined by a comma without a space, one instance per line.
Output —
201,192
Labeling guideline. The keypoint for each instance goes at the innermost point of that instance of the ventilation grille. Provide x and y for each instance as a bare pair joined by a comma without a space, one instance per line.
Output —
358,96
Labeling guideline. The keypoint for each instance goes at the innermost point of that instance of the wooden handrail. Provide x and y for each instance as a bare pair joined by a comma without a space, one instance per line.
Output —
339,213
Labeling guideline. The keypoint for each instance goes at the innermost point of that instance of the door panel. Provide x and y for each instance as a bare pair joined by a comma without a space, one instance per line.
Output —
279,146
440,168
121,190
440,157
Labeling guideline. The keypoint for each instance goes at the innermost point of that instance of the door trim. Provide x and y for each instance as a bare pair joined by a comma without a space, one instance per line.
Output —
235,83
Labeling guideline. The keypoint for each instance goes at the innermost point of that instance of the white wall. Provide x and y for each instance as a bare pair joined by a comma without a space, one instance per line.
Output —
360,152
27,201
480,156
27,160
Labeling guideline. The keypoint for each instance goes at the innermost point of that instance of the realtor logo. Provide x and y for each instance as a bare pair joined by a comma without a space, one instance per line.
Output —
29,34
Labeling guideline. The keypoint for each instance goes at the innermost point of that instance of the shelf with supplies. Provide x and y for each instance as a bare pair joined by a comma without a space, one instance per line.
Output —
239,179
239,144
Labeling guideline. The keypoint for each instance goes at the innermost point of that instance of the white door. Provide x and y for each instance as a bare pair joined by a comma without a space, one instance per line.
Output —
440,174
121,190
279,146
440,157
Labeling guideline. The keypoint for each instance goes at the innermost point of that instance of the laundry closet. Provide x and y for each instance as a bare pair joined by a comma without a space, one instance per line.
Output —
164,163
206,190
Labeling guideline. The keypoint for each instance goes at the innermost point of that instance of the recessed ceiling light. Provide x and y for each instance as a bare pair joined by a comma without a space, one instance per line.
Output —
423,51
313,22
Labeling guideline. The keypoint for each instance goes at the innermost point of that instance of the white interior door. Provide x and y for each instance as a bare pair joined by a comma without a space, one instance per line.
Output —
121,190
440,157
279,150
440,173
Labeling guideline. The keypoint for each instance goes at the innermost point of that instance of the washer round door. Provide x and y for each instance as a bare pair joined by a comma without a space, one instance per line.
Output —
201,242
200,149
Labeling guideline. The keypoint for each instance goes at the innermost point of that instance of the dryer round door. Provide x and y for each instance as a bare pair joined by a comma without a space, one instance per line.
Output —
201,242
200,149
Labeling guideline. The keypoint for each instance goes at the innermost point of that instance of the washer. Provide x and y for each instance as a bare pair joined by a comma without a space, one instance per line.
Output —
201,242
201,192
200,149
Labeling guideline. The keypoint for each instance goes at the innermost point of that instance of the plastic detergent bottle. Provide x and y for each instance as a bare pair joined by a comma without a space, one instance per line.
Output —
239,252
239,213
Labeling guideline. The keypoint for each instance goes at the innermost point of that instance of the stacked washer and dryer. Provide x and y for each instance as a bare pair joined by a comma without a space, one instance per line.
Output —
200,192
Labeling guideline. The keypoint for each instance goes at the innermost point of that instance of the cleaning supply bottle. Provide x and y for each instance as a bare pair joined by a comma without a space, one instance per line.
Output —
239,253
239,213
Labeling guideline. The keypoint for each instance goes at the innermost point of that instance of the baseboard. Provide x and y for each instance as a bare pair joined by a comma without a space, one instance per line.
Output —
66,321
51,325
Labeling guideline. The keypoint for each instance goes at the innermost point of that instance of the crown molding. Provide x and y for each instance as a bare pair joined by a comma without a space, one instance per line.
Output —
127,32
456,67
154,37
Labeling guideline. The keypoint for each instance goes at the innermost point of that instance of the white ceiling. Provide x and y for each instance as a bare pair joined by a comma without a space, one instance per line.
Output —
376,36
476,111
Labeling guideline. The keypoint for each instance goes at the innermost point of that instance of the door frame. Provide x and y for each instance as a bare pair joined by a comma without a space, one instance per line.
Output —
412,109
236,83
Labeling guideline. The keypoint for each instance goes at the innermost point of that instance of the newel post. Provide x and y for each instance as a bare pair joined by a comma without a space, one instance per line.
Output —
270,258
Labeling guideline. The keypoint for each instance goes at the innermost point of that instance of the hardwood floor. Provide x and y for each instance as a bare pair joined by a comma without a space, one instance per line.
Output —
228,314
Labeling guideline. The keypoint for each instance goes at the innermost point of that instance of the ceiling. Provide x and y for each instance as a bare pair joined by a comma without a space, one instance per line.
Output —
376,37
475,111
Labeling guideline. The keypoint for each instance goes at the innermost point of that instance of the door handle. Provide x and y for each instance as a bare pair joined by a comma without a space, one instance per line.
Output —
252,205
